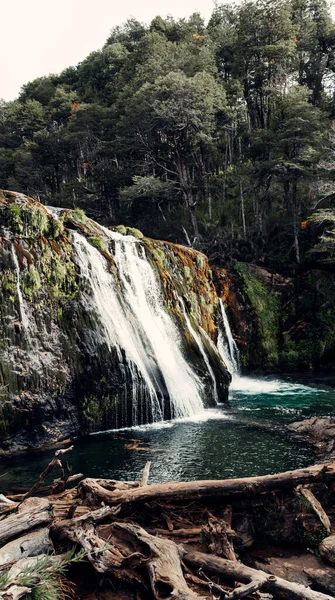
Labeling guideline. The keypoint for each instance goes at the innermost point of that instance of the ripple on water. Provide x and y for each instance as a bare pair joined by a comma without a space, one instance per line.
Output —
246,437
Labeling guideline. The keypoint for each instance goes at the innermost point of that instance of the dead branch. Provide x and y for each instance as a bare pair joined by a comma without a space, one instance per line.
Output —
52,464
235,571
316,506
145,476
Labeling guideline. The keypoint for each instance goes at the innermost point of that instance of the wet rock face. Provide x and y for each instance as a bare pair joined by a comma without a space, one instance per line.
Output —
61,373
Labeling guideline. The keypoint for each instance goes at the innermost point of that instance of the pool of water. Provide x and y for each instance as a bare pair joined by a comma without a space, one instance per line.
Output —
244,437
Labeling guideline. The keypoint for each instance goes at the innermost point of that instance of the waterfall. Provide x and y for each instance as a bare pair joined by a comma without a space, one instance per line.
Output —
200,345
134,322
22,306
227,345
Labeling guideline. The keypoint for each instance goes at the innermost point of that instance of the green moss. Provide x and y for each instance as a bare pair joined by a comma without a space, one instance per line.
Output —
30,281
266,307
92,409
159,256
121,229
98,243
56,227
27,219
135,232
57,273
200,261
38,221
7,282
79,216
187,273
14,218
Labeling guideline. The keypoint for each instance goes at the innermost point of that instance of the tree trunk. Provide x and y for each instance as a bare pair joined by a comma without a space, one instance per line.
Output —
94,492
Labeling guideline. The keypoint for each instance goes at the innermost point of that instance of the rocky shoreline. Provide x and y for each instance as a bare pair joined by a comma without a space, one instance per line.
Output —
320,432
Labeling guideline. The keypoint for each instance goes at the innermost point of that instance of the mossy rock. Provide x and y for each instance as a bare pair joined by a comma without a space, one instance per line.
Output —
121,229
135,233
30,281
98,243
266,308
79,215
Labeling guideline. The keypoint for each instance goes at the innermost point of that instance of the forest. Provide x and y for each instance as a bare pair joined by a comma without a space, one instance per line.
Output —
218,136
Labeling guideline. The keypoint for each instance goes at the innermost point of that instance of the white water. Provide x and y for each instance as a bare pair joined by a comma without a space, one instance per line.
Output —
227,345
135,323
250,386
22,305
200,345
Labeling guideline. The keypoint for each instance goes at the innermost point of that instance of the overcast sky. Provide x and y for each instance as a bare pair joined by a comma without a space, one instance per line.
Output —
39,37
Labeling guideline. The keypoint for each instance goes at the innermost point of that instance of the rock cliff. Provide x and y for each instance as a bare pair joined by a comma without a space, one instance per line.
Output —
99,328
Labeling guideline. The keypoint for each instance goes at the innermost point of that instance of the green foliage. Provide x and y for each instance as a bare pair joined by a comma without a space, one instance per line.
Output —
98,243
30,281
266,307
44,578
219,135
7,283
27,220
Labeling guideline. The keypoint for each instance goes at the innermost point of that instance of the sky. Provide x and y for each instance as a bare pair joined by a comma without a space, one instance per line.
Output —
39,37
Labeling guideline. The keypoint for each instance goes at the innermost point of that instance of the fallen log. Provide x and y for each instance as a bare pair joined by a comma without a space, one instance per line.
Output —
31,544
94,492
235,571
30,514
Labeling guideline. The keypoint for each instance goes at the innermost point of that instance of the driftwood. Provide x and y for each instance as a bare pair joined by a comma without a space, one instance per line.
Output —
14,592
52,464
31,513
236,571
31,544
219,535
94,492
143,536
6,505
316,506
145,476
59,484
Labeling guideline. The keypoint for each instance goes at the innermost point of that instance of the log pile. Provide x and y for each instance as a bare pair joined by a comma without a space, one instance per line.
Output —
170,541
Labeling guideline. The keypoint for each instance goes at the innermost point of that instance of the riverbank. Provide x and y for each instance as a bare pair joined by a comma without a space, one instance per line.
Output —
170,540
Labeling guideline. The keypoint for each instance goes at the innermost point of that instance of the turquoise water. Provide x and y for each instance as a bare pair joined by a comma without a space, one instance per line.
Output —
245,437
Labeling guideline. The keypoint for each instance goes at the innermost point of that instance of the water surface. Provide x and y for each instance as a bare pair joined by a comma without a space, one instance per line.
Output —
245,437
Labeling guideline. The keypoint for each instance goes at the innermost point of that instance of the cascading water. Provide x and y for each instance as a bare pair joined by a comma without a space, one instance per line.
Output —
134,322
227,345
22,306
200,345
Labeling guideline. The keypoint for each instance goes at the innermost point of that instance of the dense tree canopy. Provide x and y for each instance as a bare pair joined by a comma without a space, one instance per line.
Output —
218,135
